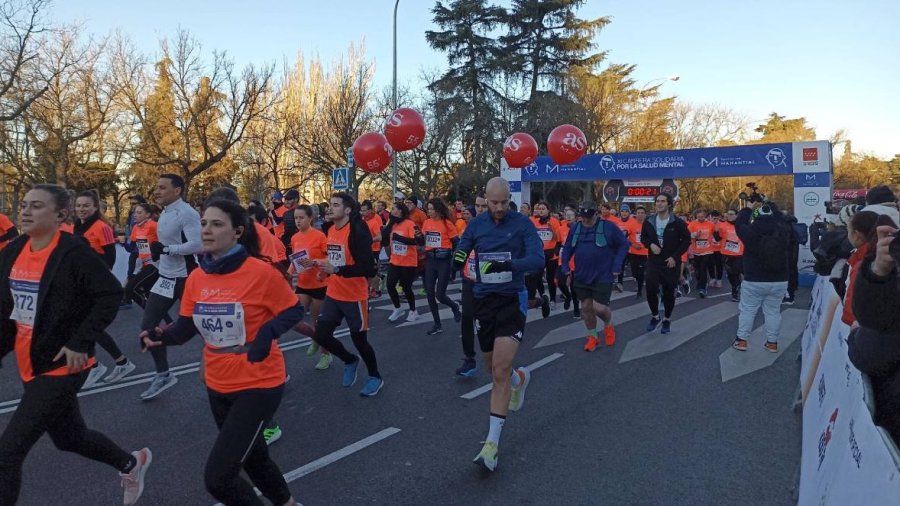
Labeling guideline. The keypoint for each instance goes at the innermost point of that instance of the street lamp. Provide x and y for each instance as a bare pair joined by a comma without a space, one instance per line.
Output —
394,165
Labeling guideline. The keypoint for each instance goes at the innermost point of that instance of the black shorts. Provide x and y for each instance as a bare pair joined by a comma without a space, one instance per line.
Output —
500,316
316,293
598,292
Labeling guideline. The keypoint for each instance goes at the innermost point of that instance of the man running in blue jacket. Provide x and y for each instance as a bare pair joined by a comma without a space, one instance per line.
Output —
506,246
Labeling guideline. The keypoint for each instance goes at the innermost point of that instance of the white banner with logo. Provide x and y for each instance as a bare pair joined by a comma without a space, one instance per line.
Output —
844,458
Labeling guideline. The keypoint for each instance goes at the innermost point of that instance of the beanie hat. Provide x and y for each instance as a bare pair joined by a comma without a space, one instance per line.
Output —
880,195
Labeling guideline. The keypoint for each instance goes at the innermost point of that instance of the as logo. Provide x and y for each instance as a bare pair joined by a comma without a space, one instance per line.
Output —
395,119
577,142
513,143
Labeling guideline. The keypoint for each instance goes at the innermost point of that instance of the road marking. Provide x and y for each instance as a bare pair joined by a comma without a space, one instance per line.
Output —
683,330
487,388
333,457
138,379
734,364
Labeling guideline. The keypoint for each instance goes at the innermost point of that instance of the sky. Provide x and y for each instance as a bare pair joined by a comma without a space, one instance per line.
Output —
836,63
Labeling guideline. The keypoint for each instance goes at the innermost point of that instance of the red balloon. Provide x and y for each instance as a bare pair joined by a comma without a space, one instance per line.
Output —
566,144
372,152
520,150
404,129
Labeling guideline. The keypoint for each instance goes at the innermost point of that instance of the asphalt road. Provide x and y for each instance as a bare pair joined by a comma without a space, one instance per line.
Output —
659,427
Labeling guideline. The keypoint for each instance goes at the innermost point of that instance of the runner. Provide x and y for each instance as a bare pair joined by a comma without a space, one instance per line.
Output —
525,209
269,245
288,227
373,221
625,224
440,240
99,236
178,229
240,304
310,243
548,230
716,262
402,236
54,279
350,263
506,246
599,248
276,214
702,247
8,231
732,252
565,282
637,254
415,214
467,330
667,238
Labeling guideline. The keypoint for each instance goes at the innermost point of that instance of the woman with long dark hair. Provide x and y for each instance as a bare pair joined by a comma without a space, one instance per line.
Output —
401,235
240,304
440,241
56,297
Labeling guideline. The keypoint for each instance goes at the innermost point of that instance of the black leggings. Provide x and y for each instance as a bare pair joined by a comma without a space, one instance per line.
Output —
241,418
157,309
325,337
638,265
701,266
107,343
405,277
550,266
565,287
468,319
734,267
50,405
714,267
437,277
661,276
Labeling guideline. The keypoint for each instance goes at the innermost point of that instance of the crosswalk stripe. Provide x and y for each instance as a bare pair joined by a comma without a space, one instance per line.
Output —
734,364
683,330
531,368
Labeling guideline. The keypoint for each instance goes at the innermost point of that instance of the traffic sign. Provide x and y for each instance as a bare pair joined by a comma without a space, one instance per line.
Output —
339,178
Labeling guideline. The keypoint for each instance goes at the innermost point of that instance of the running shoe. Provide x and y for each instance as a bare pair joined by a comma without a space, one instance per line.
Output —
434,330
610,332
324,361
788,300
678,293
133,481
567,303
412,316
653,323
312,349
739,344
272,434
686,287
771,347
95,375
702,293
161,382
350,373
395,315
119,372
666,327
576,313
619,287
591,344
734,297
468,368
372,387
457,314
545,306
487,457
517,395
639,294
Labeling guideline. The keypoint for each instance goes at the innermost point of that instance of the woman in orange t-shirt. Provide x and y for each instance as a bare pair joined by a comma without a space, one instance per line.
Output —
401,236
861,233
55,279
440,241
309,242
240,304
143,234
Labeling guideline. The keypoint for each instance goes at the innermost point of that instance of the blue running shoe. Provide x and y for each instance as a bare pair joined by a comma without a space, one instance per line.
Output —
666,327
468,368
350,373
654,322
372,387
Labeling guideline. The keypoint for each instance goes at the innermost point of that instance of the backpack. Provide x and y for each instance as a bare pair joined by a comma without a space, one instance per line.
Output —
774,248
599,237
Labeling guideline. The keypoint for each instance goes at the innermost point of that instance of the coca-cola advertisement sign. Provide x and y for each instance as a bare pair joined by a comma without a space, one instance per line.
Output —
847,194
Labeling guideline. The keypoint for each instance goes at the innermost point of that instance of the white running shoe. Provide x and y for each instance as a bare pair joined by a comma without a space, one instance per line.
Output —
94,377
161,382
395,315
412,316
119,372
133,482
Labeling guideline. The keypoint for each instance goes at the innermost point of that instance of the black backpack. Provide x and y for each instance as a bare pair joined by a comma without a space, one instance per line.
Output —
774,248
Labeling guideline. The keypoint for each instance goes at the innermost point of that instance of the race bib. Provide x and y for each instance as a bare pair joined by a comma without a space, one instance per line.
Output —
398,248
143,247
296,257
432,240
470,268
637,237
545,234
336,256
164,287
732,246
221,324
24,294
702,243
495,277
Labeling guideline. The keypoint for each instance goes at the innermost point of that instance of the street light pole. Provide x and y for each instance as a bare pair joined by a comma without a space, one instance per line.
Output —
394,165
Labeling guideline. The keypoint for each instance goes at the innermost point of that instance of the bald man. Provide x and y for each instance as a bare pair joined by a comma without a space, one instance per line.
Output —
506,246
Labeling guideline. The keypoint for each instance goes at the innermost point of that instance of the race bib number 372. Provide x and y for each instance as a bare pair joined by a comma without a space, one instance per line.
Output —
24,294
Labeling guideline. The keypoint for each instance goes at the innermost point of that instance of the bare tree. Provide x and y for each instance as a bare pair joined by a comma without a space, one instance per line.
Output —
20,82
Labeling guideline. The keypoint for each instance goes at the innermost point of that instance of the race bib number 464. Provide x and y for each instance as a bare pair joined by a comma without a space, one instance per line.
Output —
220,324
24,294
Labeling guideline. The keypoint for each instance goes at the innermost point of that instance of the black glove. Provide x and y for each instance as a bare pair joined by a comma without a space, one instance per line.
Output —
459,259
156,250
397,237
261,346
491,267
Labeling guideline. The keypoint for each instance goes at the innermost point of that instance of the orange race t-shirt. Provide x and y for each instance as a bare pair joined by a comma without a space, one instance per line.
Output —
5,225
460,227
228,310
634,235
24,283
374,224
340,288
143,235
731,244
547,232
67,227
404,255
279,228
99,235
438,234
418,217
703,243
269,245
311,244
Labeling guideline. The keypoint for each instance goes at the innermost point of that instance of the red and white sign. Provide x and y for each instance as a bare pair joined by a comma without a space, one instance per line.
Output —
848,194
810,154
